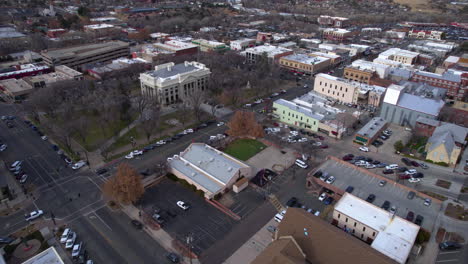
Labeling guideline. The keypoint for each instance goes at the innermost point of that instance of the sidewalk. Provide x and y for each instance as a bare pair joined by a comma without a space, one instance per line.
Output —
15,189
161,236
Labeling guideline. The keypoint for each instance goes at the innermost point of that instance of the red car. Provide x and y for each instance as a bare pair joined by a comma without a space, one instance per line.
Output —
404,176
321,138
410,216
324,146
414,163
275,124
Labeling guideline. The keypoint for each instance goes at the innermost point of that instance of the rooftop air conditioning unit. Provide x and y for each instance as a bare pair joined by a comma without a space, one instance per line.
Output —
230,169
211,159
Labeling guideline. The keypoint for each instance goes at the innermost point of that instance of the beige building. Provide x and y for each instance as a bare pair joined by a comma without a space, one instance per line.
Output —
425,34
78,56
304,63
334,59
171,83
210,170
14,88
358,74
387,233
446,144
399,55
62,73
337,88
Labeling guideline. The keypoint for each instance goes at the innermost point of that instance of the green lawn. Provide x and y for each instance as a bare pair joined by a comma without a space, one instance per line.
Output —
244,149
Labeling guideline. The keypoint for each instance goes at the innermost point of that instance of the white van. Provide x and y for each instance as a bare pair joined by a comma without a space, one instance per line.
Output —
392,167
279,216
301,164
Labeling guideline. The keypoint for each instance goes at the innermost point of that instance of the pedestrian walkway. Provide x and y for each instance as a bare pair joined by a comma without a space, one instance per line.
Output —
19,197
161,236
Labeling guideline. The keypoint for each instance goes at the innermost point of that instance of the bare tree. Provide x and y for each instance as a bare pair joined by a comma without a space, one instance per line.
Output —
195,101
149,121
125,186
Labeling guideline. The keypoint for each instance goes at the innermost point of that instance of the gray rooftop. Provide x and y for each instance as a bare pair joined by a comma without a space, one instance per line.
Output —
372,127
174,70
428,121
207,166
459,133
299,108
420,104
85,50
448,75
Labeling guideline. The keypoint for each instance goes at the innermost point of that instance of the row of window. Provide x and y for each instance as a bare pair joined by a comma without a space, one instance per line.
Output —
363,228
333,92
296,116
331,86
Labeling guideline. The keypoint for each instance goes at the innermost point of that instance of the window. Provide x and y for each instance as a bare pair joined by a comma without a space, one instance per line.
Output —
362,236
363,228
353,231
283,111
354,224
373,233
346,220
339,216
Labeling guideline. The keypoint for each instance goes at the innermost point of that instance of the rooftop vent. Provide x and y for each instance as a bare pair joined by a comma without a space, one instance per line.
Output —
230,169
211,159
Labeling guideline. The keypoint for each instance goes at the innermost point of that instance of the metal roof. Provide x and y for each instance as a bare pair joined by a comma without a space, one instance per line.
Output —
372,127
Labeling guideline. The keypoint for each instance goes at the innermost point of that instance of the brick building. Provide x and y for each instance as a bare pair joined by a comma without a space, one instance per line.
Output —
358,74
336,34
456,82
329,21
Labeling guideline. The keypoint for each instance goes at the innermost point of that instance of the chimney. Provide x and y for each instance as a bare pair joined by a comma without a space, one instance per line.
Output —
169,68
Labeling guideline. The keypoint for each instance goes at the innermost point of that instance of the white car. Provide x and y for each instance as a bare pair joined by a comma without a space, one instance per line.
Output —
3,147
414,180
23,178
220,124
411,172
129,156
187,131
294,133
318,144
137,152
76,250
183,205
162,142
370,166
365,149
330,180
44,138
33,215
322,196
302,140
427,202
67,233
79,165
361,163
71,241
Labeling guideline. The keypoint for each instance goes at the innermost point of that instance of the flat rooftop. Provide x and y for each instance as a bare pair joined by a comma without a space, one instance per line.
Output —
372,127
395,236
270,50
303,58
48,256
175,70
85,50
397,51
99,26
175,45
16,86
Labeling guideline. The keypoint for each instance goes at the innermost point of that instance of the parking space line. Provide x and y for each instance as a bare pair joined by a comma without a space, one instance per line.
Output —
447,260
451,252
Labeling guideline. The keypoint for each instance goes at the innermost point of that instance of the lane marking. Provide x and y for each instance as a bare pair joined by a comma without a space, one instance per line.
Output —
448,260
443,253
95,214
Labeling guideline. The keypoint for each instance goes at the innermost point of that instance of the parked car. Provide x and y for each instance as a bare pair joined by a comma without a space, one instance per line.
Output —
322,196
24,178
411,195
410,216
67,233
411,172
79,165
71,241
414,180
3,147
387,171
6,240
415,163
328,200
427,201
291,202
418,175
424,166
101,171
349,189
33,215
403,176
449,245
393,209
76,250
386,205
330,180
83,257
419,220
348,157
382,183
365,149
370,198
172,257
406,161
185,206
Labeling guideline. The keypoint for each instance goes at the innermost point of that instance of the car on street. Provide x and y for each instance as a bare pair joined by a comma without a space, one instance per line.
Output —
449,245
427,201
410,216
71,241
33,215
291,202
322,196
349,189
382,183
393,209
172,257
3,147
158,218
183,205
220,124
101,171
76,250
24,178
419,220
137,224
370,198
365,149
411,195
68,160
78,165
330,180
44,138
6,240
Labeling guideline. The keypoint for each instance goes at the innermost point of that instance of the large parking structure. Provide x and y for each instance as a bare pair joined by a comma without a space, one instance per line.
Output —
366,182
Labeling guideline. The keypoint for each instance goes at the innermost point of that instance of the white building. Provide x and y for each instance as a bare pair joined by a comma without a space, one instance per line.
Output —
399,55
172,84
381,70
389,234
209,169
273,53
242,44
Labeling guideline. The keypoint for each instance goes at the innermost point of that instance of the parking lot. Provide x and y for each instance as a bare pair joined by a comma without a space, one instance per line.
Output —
365,184
206,223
